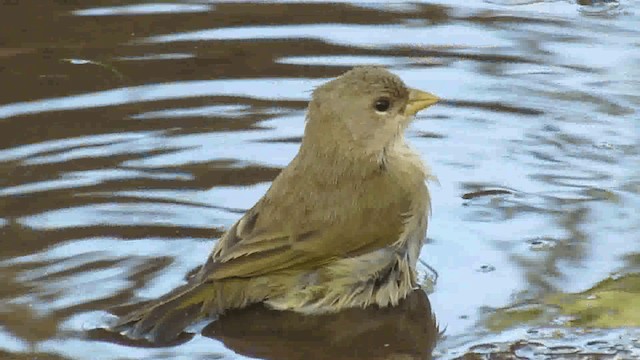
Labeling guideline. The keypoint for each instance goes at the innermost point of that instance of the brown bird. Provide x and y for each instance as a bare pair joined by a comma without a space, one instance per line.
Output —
340,227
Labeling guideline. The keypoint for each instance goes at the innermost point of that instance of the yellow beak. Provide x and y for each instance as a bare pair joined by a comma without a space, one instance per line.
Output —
419,100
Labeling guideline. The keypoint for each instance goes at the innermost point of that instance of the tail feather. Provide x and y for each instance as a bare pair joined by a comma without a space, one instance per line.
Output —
164,319
171,324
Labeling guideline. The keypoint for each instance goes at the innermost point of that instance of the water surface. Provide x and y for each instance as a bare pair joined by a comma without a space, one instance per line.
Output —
132,134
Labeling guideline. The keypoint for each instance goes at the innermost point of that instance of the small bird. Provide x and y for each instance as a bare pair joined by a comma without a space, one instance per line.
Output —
340,227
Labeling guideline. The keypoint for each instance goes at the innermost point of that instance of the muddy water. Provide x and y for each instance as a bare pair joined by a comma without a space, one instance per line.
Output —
132,134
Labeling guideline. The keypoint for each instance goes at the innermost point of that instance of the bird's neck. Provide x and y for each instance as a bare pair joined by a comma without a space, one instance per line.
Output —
328,149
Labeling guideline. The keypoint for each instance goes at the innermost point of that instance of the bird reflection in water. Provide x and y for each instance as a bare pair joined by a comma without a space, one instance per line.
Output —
406,331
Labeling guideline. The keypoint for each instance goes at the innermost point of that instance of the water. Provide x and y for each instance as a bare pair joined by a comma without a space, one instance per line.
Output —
132,135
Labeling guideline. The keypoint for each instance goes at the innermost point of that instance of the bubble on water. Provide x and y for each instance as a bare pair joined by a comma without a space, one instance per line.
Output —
512,2
562,320
600,347
529,349
615,276
563,350
89,321
533,331
437,353
427,276
597,344
542,243
561,343
599,7
484,348
486,268
78,61
604,145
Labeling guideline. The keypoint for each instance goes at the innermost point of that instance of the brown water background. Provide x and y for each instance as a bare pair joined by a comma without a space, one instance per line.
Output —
133,133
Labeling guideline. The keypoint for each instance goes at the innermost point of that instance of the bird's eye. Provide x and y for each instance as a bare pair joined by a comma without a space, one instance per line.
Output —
382,104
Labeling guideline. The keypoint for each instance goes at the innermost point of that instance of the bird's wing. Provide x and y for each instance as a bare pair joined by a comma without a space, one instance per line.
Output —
257,244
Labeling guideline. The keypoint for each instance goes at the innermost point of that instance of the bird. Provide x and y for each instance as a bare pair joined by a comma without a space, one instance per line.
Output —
340,227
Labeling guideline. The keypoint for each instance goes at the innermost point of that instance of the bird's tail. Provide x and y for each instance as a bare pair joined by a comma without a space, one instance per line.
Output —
162,320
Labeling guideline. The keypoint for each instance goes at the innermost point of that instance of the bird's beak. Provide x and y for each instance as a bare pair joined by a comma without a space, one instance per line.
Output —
419,100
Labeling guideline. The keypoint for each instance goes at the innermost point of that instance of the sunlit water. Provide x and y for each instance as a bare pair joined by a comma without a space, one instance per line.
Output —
131,136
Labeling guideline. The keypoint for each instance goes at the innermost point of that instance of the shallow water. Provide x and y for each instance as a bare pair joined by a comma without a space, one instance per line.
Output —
132,134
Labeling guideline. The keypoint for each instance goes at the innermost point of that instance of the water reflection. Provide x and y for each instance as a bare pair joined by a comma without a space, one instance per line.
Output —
132,134
408,331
